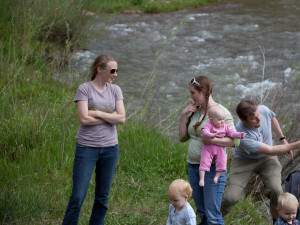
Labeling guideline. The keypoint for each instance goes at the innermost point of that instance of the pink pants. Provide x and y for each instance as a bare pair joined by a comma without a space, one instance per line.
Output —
213,151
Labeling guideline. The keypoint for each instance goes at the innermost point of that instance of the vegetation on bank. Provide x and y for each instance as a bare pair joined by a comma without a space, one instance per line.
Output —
38,123
146,6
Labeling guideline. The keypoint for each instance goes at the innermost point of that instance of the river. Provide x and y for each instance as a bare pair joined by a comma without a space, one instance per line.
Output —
246,47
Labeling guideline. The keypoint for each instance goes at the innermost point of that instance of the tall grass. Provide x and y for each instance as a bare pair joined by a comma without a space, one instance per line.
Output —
36,113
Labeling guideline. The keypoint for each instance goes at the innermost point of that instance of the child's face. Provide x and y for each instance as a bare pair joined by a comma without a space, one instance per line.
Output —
218,120
178,200
288,214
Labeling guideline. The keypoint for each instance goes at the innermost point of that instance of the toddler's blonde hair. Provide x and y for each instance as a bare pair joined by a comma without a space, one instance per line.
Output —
181,186
287,200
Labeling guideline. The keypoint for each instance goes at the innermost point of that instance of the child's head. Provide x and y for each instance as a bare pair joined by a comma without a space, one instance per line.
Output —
287,206
179,192
216,116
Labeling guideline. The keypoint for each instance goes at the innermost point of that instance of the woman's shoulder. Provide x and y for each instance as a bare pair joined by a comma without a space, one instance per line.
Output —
85,85
85,88
224,108
112,86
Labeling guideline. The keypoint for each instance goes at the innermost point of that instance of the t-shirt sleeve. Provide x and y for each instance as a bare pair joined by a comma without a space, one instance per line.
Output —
81,93
191,218
118,93
249,145
268,112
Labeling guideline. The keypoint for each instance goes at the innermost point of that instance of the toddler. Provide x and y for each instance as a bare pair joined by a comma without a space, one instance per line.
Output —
287,209
180,211
215,128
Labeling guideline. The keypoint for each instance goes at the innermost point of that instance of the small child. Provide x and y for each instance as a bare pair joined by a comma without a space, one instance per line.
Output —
287,209
180,211
215,128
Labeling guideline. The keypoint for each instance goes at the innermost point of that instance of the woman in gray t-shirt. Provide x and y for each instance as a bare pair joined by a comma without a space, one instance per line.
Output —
99,107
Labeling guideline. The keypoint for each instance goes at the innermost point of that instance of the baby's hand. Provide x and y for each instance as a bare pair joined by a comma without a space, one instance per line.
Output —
215,135
243,135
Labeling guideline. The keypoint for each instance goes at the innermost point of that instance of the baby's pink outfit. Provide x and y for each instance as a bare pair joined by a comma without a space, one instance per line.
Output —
210,151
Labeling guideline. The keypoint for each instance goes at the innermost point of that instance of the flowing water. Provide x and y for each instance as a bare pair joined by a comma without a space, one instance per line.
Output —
246,48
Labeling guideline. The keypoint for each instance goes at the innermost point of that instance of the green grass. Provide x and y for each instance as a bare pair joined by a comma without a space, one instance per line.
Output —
248,212
39,122
146,6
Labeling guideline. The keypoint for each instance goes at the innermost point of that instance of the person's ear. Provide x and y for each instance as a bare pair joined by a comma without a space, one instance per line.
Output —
243,120
211,119
278,210
186,197
99,69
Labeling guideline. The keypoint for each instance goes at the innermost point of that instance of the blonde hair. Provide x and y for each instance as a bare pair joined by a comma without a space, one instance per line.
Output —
181,186
287,200
100,61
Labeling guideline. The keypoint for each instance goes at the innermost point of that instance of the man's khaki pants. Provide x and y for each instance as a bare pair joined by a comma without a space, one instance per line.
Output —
241,172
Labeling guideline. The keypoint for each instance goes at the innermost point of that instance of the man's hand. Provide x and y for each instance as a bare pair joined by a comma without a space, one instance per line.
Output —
284,142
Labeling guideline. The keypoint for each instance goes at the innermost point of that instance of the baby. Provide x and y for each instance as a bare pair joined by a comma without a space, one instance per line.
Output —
215,128
180,211
287,209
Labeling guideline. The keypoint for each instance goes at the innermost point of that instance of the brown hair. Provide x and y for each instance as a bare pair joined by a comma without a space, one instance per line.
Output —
206,87
246,108
100,61
181,186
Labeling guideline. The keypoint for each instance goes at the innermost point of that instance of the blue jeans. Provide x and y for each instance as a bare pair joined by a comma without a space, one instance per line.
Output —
208,198
86,158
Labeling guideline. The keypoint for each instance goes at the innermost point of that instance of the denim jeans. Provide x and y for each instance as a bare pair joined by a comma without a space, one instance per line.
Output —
208,198
86,158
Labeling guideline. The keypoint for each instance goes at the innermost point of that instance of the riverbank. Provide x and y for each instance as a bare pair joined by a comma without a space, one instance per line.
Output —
146,6
38,124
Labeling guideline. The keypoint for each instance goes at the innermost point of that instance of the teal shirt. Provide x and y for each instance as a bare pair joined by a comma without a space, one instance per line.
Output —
195,144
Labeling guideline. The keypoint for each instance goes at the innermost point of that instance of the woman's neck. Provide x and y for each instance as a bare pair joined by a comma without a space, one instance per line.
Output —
211,102
99,84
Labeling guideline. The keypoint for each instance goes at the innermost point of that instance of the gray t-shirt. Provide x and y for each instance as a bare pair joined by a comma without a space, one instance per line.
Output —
105,134
186,216
255,136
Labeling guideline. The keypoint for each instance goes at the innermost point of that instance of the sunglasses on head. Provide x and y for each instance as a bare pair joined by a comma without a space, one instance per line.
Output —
193,81
112,71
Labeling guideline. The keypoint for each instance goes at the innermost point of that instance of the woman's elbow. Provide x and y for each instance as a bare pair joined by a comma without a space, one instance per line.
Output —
122,120
83,121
